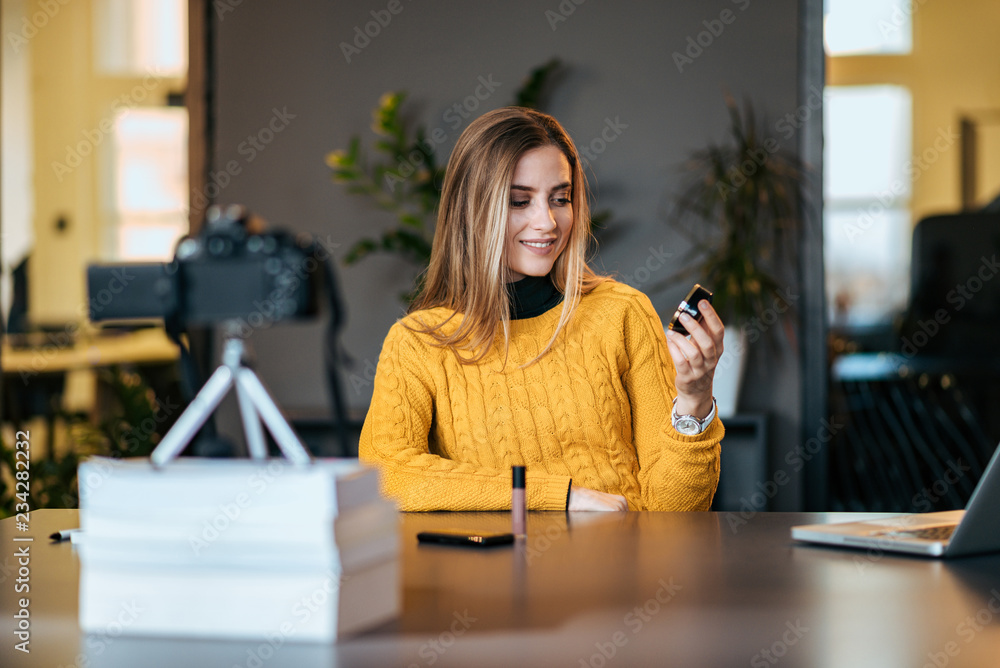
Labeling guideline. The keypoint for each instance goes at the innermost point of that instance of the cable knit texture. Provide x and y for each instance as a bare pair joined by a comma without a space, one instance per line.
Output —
595,411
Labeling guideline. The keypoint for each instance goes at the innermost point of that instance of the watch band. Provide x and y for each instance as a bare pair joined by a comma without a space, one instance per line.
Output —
689,425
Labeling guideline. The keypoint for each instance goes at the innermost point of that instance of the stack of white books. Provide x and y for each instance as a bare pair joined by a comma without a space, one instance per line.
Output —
235,549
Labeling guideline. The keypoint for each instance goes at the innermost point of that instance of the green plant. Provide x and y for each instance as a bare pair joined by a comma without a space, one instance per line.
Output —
404,178
137,423
740,208
52,481
132,430
403,182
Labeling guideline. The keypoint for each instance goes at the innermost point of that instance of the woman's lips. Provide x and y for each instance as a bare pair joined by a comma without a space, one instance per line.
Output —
539,246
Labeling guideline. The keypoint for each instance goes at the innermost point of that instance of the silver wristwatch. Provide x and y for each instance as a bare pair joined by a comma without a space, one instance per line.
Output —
689,425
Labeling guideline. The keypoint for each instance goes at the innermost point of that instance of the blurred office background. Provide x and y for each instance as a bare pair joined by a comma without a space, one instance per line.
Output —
123,120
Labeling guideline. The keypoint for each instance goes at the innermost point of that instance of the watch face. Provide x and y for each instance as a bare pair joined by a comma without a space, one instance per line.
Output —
687,426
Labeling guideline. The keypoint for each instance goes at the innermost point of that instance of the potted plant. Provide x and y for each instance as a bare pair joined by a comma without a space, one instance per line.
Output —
739,207
405,179
404,176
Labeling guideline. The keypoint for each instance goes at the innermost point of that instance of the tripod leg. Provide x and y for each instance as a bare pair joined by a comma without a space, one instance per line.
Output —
289,443
251,423
193,417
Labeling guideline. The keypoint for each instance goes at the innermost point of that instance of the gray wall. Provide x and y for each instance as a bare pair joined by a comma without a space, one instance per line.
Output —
619,66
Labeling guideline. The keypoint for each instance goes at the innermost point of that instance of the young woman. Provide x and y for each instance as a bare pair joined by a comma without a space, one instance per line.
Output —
516,353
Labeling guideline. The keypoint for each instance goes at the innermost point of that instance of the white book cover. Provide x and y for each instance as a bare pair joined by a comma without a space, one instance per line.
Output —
274,487
306,606
373,536
233,527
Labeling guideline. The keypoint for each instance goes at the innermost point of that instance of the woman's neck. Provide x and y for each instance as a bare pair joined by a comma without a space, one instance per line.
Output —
532,296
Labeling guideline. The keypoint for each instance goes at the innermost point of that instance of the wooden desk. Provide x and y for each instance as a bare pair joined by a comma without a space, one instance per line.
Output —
145,345
46,378
648,589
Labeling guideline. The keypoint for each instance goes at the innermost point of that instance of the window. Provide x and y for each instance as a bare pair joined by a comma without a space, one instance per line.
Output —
868,179
136,37
150,186
149,201
867,27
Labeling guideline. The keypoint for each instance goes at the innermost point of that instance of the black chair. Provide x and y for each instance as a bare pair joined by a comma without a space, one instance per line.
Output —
921,420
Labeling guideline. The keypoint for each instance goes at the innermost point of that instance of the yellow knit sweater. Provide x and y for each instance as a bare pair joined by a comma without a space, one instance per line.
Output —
594,411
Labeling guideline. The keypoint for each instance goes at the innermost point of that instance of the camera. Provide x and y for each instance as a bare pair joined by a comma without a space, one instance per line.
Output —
232,271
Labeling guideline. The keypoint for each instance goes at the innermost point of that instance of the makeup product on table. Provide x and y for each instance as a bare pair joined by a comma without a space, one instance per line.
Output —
518,503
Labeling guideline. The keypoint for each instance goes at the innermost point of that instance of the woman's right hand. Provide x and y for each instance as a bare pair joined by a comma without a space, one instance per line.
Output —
581,498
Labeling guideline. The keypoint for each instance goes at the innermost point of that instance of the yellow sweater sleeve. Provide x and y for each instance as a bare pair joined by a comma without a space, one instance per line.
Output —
395,439
676,472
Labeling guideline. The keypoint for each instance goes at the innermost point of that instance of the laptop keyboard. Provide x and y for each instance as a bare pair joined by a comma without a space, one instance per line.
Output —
930,533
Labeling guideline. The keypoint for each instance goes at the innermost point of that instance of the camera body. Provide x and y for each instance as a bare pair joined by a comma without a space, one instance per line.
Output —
230,272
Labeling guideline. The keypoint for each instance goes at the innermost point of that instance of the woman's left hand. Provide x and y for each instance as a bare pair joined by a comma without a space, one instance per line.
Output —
695,359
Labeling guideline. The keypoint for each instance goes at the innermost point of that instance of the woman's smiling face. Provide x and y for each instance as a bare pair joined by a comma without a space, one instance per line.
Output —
541,212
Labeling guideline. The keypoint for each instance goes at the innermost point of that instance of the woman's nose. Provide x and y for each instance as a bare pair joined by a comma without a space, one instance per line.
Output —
542,218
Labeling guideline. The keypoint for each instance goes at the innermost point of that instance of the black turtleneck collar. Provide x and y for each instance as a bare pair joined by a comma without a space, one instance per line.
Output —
532,296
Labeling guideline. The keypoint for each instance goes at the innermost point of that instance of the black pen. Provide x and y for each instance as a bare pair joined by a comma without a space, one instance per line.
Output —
60,536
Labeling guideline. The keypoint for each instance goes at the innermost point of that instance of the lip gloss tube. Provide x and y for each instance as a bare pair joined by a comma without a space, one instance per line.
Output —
518,503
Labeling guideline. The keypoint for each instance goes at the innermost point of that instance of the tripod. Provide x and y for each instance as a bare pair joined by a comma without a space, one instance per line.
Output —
255,405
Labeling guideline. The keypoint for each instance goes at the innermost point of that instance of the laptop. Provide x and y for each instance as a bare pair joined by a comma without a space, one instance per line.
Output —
953,533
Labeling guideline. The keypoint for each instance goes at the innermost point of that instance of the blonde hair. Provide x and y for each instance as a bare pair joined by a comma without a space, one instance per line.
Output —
468,270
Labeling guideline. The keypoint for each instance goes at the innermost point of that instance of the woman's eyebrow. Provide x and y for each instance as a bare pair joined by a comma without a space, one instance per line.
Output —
561,186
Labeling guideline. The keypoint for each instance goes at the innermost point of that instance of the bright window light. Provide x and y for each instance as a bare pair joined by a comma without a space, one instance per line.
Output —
868,134
867,181
867,258
145,242
868,27
136,37
150,175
